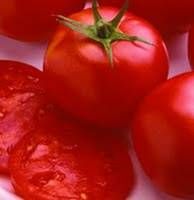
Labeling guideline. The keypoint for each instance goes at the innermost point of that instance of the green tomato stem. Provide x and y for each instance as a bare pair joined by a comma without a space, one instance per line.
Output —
102,31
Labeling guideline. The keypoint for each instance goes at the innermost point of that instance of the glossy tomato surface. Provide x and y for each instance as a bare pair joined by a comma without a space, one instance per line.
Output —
163,136
21,98
71,163
167,15
81,80
191,46
33,20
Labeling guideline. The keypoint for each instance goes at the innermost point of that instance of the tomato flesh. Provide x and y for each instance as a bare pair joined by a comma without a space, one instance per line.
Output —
21,98
163,136
71,163
81,80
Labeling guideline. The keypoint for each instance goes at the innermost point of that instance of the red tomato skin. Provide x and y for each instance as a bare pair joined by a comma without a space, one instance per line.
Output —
80,79
79,164
163,136
168,16
33,20
191,46
21,98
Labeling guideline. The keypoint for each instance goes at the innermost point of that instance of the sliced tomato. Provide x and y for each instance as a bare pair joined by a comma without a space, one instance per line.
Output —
71,163
21,99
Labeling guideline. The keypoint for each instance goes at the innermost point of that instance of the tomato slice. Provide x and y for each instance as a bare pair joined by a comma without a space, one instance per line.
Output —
71,163
21,98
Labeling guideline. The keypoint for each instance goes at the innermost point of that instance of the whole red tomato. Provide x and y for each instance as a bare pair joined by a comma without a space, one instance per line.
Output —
191,46
71,163
163,136
167,15
101,73
32,20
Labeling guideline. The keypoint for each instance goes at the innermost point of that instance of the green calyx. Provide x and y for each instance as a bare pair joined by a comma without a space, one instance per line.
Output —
102,31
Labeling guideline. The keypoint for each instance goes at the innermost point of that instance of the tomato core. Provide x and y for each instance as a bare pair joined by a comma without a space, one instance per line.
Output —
104,30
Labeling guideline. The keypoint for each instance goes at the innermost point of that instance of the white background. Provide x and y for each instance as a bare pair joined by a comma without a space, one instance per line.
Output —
33,54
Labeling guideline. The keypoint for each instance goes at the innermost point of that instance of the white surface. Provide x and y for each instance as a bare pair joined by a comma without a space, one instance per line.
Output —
33,54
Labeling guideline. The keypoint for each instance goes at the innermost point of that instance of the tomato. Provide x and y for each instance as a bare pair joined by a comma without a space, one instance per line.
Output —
71,163
21,97
32,20
191,46
167,15
90,84
163,136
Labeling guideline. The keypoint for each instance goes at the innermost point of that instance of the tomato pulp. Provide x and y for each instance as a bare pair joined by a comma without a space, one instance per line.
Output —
82,81
21,97
57,163
163,136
